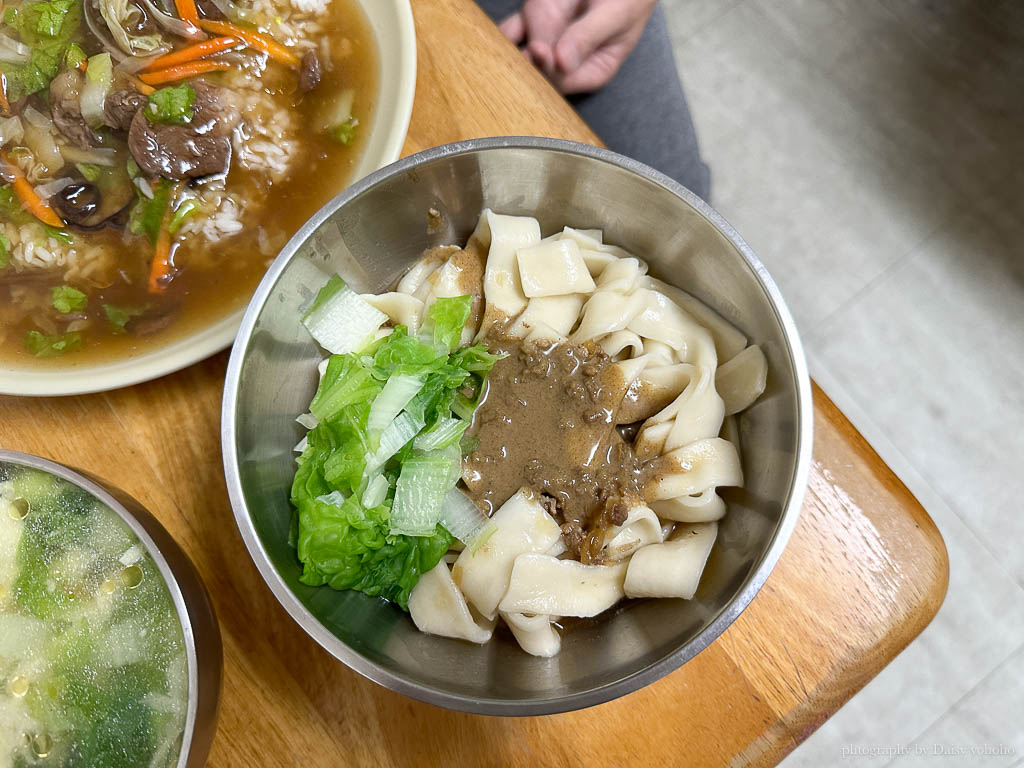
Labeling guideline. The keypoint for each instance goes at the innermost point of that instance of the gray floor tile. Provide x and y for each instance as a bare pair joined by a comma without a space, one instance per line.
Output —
934,353
691,17
864,149
940,80
827,204
980,624
984,729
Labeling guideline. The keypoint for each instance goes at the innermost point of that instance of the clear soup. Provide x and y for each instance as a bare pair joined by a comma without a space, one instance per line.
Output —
93,668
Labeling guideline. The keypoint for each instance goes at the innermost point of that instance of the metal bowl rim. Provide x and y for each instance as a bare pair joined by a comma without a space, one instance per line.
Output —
100,493
505,707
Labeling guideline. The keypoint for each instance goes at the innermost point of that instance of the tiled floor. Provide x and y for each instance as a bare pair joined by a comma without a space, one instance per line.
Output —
872,153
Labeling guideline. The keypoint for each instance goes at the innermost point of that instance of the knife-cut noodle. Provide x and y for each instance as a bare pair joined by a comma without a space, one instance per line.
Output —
602,438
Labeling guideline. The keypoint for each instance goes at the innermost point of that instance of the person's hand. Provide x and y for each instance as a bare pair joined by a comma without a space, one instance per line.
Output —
578,44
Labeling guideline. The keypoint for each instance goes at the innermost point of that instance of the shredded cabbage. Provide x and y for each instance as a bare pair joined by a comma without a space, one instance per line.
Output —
397,393
121,15
340,320
461,517
99,77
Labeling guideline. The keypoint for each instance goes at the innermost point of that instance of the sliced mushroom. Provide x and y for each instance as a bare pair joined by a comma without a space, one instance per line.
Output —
90,205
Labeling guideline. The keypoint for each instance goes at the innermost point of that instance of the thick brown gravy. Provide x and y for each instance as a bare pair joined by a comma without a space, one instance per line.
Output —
548,423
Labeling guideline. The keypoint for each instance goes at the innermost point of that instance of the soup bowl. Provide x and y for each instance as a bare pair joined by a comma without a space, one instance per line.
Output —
391,23
191,604
373,232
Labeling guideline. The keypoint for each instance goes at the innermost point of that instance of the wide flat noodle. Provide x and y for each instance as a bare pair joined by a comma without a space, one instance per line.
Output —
535,634
437,607
704,507
553,268
622,344
604,313
622,275
640,528
400,308
653,389
413,280
503,236
729,340
694,468
742,380
521,526
673,568
556,314
546,585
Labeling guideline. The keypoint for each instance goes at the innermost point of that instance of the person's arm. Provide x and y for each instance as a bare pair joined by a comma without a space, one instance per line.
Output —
578,44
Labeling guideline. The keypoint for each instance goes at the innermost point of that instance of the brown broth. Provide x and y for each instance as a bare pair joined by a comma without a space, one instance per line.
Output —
218,279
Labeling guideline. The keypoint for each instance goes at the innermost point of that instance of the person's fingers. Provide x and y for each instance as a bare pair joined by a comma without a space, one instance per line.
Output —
589,32
592,74
514,28
546,20
542,55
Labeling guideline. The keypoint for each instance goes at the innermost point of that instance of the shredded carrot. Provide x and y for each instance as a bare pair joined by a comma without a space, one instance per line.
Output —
187,11
161,258
5,105
83,65
31,201
183,71
141,87
192,52
162,267
254,39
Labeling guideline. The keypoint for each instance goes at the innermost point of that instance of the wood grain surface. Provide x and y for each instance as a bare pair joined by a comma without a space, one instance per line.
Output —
865,570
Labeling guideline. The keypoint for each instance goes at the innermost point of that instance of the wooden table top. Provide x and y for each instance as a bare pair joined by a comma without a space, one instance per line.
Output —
865,570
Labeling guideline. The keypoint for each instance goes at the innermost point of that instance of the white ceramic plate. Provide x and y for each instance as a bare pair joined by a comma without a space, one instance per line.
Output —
392,24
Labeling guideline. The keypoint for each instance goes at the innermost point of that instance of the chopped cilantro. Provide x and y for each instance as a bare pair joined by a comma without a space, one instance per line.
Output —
148,214
171,106
74,56
5,250
344,132
41,345
119,317
66,299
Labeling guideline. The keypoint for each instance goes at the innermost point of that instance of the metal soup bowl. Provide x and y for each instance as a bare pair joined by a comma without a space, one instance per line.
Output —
203,650
371,234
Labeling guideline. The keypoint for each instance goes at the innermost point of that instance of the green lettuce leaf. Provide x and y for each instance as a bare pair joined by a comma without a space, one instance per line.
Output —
450,316
349,547
340,541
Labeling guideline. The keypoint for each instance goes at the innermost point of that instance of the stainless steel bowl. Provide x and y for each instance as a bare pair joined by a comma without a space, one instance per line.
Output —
370,234
198,622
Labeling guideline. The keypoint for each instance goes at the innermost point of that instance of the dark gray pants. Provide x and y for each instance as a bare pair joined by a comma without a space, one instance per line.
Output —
642,112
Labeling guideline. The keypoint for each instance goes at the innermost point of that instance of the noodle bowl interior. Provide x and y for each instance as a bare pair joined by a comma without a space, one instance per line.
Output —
540,432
